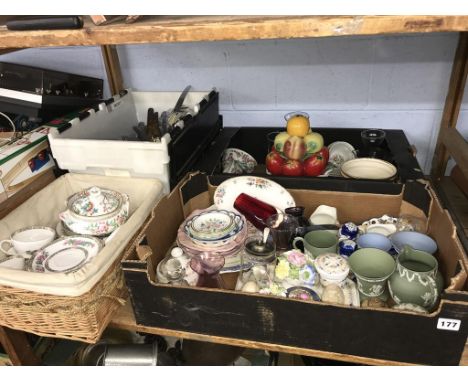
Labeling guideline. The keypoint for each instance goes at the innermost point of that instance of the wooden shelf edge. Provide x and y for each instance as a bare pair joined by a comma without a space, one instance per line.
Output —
164,29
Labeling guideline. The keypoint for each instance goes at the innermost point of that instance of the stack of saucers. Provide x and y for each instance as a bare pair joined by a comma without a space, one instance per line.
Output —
214,231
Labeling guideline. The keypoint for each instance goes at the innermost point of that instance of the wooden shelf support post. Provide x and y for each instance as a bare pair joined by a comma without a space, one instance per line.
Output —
452,106
112,65
17,347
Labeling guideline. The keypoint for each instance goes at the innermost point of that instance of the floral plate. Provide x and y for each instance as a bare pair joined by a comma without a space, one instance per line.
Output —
226,239
65,255
212,225
260,188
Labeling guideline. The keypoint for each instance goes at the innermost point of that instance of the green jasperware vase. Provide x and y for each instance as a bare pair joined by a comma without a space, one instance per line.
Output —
416,279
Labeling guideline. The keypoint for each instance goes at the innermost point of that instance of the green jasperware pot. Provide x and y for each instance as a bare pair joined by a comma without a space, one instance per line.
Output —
416,279
372,268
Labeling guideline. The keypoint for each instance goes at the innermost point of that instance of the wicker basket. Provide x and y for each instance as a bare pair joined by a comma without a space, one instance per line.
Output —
50,315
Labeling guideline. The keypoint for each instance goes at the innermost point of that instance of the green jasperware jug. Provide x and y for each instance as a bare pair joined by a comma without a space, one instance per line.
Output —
416,279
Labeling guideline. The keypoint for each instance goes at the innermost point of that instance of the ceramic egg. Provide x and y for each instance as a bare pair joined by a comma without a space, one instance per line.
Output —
250,287
333,294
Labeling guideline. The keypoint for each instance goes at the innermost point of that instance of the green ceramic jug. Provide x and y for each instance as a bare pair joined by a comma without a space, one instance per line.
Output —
415,279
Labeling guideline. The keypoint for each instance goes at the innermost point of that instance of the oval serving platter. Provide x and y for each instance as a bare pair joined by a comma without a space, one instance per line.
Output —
368,168
65,255
260,188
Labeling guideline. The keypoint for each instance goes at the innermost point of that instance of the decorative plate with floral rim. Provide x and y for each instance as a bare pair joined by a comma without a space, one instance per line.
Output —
212,224
260,188
65,255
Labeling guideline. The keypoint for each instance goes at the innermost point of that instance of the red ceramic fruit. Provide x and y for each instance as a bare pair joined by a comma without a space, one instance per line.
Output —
293,168
315,164
274,163
326,154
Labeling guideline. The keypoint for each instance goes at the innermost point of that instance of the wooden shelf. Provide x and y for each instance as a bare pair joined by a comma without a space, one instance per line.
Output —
163,29
125,319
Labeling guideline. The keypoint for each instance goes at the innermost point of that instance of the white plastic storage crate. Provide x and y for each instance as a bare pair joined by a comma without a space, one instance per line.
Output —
93,144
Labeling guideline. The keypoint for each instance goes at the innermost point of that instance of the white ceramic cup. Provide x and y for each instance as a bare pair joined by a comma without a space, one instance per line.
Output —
27,240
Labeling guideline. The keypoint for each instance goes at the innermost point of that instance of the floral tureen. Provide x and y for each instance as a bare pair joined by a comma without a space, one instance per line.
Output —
96,211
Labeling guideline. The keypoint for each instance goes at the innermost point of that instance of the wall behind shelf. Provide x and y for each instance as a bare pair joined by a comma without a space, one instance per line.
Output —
369,82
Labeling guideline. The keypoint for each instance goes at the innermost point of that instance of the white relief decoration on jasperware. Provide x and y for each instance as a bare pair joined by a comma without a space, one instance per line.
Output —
376,290
395,297
426,297
359,285
410,276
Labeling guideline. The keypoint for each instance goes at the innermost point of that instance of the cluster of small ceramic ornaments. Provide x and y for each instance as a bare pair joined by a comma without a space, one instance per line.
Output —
392,246
324,278
298,151
92,216
384,262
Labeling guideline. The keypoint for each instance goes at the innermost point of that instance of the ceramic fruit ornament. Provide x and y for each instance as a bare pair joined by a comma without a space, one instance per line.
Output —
299,151
298,124
293,167
315,164
313,142
280,140
294,148
274,163
326,154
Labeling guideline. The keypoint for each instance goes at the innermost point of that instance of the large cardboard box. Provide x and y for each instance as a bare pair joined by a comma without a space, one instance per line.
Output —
380,334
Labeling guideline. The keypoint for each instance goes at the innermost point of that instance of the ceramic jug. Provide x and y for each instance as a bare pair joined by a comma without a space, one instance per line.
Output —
416,279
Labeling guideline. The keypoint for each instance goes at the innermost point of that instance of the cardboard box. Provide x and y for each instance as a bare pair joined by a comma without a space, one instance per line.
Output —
23,159
373,333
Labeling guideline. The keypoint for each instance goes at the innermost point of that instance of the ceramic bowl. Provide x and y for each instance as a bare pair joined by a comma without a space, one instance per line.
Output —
416,240
236,161
341,152
368,168
96,211
374,240
212,225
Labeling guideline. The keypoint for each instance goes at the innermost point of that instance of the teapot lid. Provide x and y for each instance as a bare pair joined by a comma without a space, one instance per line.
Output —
95,202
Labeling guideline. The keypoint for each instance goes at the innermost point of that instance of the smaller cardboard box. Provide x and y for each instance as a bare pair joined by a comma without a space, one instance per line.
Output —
367,334
23,160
